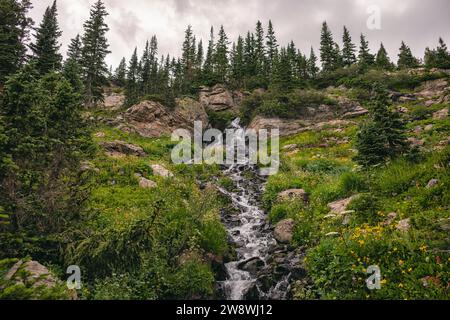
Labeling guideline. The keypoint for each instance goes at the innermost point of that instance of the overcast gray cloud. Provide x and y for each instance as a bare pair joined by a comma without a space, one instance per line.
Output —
419,23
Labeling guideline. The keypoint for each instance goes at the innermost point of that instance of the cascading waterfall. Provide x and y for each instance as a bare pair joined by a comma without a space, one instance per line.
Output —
249,232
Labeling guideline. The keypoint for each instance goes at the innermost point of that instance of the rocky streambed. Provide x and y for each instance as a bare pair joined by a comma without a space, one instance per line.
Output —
263,269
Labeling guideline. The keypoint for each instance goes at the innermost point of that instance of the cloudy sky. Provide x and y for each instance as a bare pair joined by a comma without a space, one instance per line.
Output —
419,23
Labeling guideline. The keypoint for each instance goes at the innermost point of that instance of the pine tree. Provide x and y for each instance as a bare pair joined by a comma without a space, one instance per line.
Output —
199,57
348,50
260,53
95,49
382,138
188,59
439,58
313,70
237,63
282,76
208,67
132,86
405,58
271,48
382,60
250,59
327,49
14,32
221,56
120,74
46,48
365,58
75,49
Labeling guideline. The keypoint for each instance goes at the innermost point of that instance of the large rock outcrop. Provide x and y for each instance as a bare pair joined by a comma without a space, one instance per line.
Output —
152,120
219,98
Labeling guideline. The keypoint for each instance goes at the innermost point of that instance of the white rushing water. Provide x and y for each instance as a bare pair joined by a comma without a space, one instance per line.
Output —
248,234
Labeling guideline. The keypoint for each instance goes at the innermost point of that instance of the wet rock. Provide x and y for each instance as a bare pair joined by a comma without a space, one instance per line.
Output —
121,149
284,231
252,265
160,170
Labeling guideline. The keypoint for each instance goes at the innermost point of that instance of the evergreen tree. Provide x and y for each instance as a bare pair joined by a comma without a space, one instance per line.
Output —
405,58
365,58
208,67
199,57
260,53
14,32
75,49
348,50
221,56
282,76
95,49
237,63
271,48
120,74
439,58
250,59
382,138
313,70
188,59
46,140
382,60
132,87
46,48
327,49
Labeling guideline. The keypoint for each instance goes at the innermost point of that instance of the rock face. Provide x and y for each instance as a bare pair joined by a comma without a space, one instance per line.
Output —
152,120
313,118
161,171
113,100
219,98
294,194
435,89
284,231
121,149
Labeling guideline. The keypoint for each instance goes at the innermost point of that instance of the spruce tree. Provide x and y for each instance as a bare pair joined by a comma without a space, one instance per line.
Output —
188,59
348,50
282,75
382,60
313,69
405,58
46,48
327,49
439,58
95,49
14,32
237,63
75,49
250,59
208,67
132,86
120,74
271,48
383,137
365,58
260,53
221,56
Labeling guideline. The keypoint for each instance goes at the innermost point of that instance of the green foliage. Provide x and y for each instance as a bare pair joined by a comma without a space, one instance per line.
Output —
46,48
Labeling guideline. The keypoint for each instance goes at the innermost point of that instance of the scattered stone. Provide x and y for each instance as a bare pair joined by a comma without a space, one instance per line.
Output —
416,142
146,184
430,281
403,225
284,231
88,166
441,114
290,147
428,127
122,149
339,207
432,183
294,194
100,135
402,110
390,218
161,171
418,129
